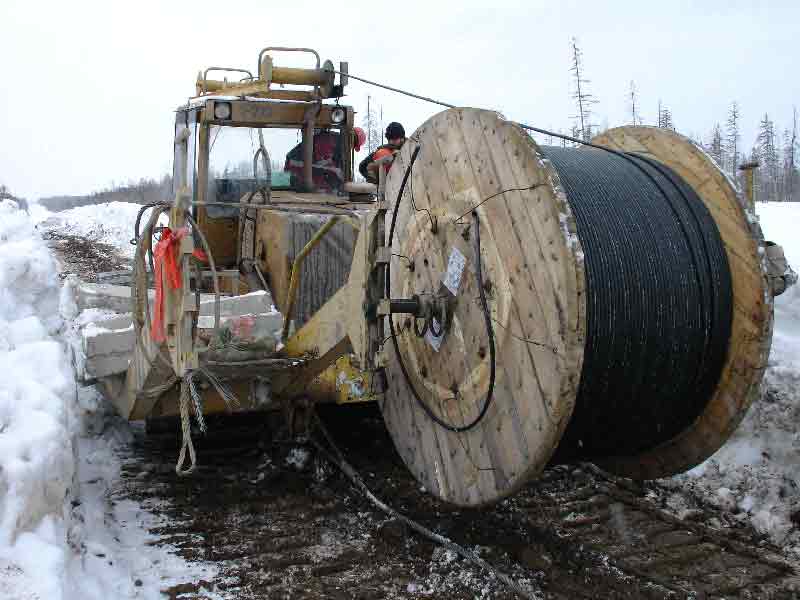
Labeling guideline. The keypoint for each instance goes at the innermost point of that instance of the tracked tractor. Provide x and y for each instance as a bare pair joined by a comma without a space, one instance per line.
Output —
506,304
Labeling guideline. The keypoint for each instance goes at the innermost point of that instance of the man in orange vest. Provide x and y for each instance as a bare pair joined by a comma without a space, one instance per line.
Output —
395,138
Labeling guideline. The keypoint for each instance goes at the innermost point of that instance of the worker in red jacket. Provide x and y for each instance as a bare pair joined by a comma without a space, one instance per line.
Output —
395,138
327,162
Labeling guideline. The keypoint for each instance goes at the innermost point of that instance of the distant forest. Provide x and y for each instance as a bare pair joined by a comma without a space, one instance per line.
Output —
775,149
141,192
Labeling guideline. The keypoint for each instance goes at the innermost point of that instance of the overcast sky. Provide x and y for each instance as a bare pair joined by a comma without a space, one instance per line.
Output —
87,89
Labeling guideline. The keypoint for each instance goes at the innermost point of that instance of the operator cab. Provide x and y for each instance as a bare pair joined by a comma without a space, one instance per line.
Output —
248,143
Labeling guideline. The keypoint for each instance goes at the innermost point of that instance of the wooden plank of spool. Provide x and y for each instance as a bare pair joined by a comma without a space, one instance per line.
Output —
500,218
429,196
436,191
432,464
751,332
525,225
452,143
536,279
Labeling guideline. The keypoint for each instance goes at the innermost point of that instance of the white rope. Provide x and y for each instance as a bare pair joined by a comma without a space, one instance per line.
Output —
198,402
231,401
186,428
190,397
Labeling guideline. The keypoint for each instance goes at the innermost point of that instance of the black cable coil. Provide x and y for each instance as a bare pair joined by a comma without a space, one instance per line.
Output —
658,302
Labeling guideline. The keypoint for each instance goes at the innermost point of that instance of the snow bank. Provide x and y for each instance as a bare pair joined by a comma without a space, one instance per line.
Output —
35,453
61,536
756,475
36,458
110,223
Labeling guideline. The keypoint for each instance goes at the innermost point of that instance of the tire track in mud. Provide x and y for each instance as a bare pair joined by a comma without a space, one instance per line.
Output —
280,522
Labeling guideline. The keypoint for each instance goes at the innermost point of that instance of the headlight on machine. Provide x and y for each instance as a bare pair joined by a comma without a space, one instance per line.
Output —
338,115
222,110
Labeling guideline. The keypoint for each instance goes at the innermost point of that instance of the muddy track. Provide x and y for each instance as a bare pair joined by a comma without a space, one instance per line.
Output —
281,522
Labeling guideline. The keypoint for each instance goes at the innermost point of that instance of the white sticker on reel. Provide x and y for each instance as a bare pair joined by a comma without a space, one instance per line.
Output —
455,269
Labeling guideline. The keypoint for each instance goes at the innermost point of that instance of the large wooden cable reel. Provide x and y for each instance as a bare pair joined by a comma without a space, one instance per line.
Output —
533,270
533,288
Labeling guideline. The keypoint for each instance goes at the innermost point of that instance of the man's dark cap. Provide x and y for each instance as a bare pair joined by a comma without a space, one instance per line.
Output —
394,131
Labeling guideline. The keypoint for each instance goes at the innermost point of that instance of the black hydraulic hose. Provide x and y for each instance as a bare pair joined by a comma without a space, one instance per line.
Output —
484,305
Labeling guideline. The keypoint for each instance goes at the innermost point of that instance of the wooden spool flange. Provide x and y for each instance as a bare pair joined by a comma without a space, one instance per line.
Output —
533,276
751,332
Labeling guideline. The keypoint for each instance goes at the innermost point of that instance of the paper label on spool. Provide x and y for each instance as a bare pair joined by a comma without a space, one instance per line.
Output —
434,340
455,269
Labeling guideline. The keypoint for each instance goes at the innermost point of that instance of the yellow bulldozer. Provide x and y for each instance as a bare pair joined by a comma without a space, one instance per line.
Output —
505,304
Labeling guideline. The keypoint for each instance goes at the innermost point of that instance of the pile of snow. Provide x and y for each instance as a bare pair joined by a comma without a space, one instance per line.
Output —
36,460
61,537
35,378
109,223
756,475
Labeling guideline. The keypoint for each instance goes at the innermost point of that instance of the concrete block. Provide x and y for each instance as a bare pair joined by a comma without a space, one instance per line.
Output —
103,295
98,341
254,303
108,344
118,299
109,364
246,327
113,323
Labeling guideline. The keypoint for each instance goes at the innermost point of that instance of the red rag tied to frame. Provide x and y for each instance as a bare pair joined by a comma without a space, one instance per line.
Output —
165,256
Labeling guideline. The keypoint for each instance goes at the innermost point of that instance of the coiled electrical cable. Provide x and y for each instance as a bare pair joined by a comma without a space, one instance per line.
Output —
659,297
658,301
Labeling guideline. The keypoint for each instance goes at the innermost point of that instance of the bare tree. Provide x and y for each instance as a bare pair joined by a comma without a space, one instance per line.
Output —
633,104
583,99
790,176
715,146
372,126
767,154
732,138
575,132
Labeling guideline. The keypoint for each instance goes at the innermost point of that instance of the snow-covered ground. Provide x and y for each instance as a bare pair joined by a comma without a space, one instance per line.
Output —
110,223
62,535
756,475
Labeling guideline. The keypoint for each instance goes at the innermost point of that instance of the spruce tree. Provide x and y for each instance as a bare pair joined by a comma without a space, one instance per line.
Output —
665,117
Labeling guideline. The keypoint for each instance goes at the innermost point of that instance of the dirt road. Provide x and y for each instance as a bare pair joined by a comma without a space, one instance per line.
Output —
281,522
